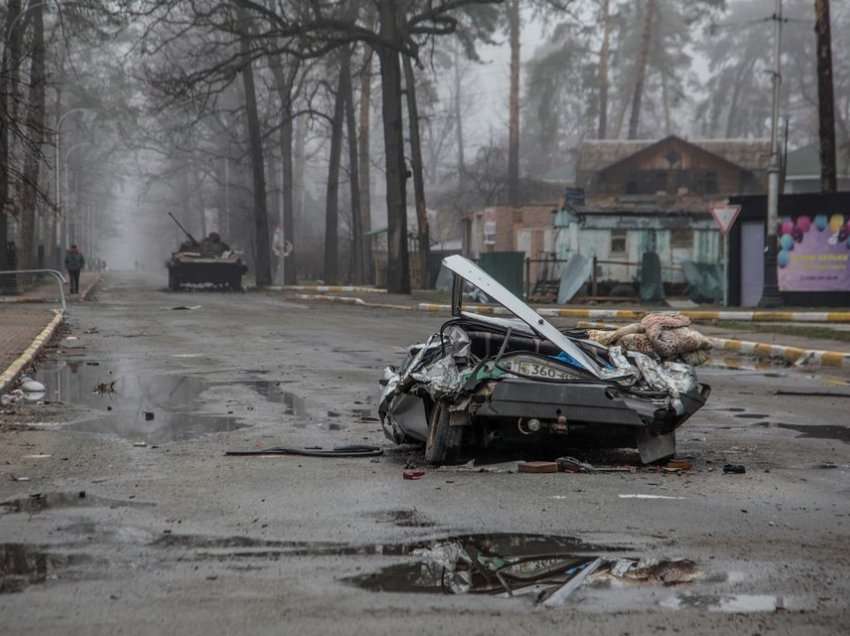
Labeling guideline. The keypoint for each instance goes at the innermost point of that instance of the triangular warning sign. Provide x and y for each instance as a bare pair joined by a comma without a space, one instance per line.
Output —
725,215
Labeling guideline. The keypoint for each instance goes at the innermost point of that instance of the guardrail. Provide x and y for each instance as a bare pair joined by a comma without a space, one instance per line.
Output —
60,279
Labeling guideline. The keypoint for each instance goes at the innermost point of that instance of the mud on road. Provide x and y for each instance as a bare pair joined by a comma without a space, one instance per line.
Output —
120,512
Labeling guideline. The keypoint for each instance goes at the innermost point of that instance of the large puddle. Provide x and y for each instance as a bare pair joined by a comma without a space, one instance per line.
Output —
22,565
139,406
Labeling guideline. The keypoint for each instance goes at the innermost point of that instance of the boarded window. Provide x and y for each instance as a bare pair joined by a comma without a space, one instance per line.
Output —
682,239
618,242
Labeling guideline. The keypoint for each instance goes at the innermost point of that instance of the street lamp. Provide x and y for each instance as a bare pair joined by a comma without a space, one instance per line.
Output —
770,291
58,163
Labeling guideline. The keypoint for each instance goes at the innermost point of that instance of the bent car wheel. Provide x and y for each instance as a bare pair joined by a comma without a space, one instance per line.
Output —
443,439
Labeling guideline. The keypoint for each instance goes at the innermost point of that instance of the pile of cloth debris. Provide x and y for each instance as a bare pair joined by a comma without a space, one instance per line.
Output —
668,335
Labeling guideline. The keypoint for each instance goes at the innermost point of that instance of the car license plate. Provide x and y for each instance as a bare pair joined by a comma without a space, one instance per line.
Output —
538,369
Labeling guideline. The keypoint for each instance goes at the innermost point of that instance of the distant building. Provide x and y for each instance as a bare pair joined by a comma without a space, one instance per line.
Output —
656,195
802,171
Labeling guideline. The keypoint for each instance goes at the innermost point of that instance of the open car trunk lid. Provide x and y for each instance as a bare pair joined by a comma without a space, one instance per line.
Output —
466,270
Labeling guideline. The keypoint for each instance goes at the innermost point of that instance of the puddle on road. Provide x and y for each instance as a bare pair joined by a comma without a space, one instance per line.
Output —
732,603
22,565
515,543
820,431
274,392
40,502
404,518
124,406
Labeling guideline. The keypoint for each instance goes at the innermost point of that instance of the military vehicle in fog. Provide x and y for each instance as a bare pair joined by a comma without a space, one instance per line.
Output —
208,262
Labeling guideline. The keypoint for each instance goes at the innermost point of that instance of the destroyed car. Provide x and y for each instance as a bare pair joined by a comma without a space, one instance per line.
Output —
486,381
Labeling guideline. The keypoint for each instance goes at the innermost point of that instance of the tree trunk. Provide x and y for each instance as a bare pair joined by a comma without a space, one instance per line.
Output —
8,78
35,125
331,270
398,263
457,106
603,70
665,98
513,105
826,99
642,62
423,234
283,85
199,194
365,167
255,145
353,173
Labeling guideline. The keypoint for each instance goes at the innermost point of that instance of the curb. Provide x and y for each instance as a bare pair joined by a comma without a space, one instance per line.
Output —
84,295
331,289
794,355
8,376
695,315
351,300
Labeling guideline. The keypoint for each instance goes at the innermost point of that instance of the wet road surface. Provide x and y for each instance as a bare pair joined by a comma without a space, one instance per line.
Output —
132,519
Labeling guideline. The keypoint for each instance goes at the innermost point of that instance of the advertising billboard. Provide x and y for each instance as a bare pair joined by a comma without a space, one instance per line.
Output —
814,253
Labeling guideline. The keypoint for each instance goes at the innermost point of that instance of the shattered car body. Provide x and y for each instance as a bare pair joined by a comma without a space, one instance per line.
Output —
485,381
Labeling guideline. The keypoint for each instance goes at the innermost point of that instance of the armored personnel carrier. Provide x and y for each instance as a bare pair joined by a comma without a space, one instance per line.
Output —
208,262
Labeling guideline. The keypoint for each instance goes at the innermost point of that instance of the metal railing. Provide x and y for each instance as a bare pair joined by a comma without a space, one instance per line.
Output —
594,274
60,280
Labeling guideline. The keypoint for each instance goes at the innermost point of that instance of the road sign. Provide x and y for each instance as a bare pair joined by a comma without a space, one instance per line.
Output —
725,216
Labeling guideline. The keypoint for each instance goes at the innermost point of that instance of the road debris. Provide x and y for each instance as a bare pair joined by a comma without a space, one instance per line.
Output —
103,388
412,475
28,385
356,450
560,596
537,467
545,569
642,496
487,381
734,469
573,465
184,307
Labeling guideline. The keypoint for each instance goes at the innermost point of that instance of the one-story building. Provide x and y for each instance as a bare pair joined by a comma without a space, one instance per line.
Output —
655,195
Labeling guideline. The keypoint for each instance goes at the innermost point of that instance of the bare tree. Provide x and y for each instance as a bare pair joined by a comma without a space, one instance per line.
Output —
513,103
826,99
36,109
423,234
263,269
331,269
640,72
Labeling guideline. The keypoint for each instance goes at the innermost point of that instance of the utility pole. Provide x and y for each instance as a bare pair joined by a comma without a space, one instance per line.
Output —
826,99
770,293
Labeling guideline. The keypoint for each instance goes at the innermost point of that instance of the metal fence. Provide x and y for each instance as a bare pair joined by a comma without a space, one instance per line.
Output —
16,282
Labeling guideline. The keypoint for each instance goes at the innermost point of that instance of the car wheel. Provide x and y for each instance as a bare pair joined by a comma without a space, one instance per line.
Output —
173,281
443,441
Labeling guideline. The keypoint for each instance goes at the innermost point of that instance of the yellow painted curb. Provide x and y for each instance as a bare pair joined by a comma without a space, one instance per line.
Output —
334,289
697,315
88,290
9,375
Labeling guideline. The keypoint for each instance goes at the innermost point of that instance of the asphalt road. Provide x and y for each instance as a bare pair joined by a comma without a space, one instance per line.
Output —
171,536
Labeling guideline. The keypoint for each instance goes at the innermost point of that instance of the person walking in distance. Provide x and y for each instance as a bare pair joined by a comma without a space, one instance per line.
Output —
74,262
